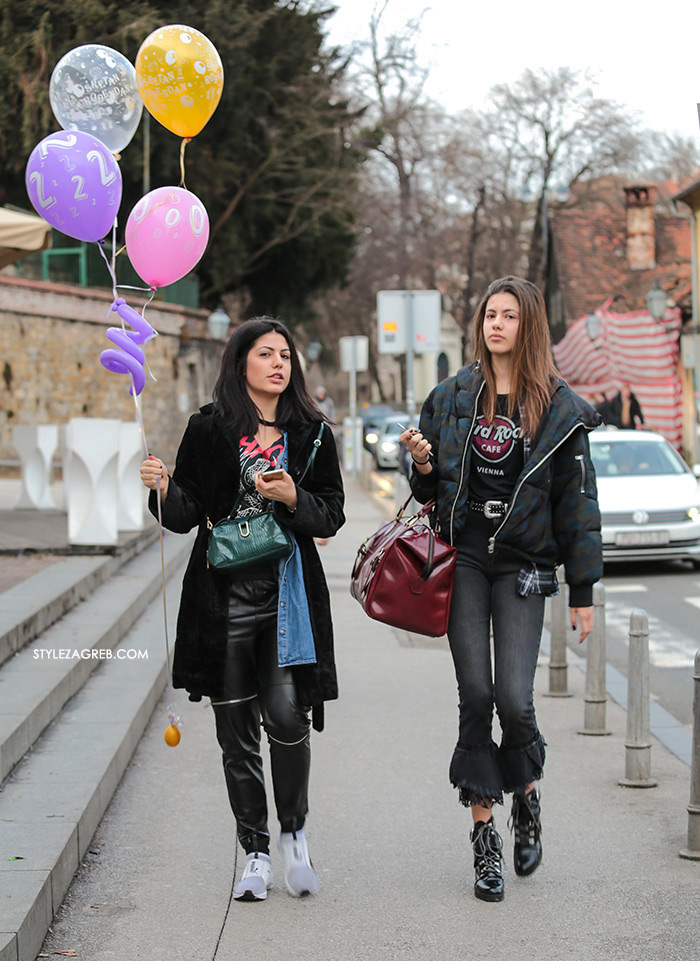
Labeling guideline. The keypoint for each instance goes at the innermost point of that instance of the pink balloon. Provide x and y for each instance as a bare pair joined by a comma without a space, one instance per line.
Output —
166,235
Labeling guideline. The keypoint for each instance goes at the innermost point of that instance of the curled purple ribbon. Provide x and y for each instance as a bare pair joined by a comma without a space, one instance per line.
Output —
130,359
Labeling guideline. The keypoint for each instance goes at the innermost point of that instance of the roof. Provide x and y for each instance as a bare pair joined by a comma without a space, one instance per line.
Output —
690,195
590,248
20,234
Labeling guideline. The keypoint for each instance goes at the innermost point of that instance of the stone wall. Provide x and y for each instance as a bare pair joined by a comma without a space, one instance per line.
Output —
51,337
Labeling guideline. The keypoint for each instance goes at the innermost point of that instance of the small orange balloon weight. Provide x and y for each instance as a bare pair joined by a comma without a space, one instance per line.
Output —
172,736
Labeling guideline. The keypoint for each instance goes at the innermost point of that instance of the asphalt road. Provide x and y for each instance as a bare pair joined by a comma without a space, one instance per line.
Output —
669,592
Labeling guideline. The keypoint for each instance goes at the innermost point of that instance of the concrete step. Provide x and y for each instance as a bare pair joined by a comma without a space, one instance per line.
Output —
41,678
53,800
33,605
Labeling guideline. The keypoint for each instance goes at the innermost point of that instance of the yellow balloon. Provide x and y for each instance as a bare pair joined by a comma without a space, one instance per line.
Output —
180,78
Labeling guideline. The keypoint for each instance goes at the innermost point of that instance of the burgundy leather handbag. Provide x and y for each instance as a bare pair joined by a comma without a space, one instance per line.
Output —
404,574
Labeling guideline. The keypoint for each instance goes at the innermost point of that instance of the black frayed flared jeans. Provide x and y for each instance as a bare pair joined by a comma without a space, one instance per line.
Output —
257,690
486,595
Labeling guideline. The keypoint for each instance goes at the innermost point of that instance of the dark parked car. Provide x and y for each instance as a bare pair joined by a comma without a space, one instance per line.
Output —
372,418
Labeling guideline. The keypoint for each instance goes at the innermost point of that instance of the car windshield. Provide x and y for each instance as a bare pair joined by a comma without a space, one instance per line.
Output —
635,458
392,428
374,421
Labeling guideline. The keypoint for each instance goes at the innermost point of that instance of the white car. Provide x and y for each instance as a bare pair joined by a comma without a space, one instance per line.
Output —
649,498
386,449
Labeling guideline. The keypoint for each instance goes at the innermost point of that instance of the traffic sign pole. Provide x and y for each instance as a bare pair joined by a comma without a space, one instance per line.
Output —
410,355
354,356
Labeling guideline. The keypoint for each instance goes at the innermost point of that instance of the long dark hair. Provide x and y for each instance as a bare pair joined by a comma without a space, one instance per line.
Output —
533,375
231,398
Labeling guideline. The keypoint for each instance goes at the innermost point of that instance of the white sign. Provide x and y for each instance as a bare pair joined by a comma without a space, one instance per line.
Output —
408,320
354,353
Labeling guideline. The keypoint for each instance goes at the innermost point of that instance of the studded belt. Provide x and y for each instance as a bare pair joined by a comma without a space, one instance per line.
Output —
490,509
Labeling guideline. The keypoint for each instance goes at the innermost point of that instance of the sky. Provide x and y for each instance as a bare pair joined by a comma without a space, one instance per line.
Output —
646,61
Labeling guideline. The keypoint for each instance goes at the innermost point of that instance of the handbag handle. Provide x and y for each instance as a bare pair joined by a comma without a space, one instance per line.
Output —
432,534
424,510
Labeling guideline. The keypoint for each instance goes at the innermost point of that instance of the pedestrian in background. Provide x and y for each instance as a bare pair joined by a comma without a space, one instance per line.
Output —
325,403
503,446
624,411
229,623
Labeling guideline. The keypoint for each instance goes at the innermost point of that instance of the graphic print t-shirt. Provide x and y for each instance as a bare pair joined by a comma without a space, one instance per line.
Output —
253,459
497,454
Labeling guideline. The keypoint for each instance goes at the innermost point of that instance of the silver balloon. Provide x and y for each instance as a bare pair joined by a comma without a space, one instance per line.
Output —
93,89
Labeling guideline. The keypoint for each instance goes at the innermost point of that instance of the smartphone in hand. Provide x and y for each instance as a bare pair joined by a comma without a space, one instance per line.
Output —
275,473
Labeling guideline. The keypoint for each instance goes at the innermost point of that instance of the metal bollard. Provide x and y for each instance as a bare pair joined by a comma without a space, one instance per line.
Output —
638,740
595,698
558,668
692,851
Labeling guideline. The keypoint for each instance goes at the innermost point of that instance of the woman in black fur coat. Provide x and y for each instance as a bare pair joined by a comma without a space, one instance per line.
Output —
258,642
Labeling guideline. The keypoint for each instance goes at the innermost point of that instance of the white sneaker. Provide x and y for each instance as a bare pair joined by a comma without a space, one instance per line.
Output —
256,880
299,876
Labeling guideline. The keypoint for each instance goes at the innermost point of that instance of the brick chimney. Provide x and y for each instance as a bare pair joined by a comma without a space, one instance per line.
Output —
641,236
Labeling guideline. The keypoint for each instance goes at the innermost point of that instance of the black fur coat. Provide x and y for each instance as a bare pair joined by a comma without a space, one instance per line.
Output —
205,484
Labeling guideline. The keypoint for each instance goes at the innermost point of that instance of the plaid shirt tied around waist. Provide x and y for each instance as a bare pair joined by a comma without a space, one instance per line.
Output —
537,580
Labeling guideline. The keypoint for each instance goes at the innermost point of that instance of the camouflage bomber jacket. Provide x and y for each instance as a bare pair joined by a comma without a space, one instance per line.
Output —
553,516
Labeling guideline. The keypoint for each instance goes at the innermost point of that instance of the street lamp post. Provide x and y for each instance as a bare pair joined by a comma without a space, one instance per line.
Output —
313,351
656,302
593,325
218,323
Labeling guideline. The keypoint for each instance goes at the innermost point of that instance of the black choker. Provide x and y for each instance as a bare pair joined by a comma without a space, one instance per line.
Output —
267,423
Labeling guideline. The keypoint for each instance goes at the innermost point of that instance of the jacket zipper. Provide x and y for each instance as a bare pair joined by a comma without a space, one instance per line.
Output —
579,458
517,489
464,457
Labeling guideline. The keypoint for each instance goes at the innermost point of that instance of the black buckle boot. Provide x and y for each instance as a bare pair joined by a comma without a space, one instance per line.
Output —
488,884
527,828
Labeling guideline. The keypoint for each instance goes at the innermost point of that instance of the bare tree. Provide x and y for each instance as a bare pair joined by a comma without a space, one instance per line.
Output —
558,131
671,156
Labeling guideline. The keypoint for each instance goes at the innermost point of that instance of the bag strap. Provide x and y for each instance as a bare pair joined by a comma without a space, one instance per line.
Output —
430,507
426,509
312,455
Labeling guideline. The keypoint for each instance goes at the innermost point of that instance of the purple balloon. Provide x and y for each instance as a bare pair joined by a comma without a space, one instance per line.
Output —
75,184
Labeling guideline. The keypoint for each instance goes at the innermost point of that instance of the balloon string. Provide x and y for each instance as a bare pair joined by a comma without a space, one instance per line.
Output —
139,419
113,271
110,267
151,290
184,143
143,314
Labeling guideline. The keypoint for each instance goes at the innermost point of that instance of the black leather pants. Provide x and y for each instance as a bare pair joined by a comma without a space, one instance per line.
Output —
256,688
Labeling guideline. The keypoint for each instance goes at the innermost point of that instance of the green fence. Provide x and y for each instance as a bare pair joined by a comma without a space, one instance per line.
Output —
70,261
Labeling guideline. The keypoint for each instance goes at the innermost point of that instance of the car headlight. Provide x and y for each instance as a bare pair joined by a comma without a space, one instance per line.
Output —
371,437
694,514
389,446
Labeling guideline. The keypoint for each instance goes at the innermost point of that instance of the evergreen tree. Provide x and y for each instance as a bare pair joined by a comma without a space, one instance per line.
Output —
275,166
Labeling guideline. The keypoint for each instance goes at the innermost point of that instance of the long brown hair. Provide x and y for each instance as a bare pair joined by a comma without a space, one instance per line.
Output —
533,376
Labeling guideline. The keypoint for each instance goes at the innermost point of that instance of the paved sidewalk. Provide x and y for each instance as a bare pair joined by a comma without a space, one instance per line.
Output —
387,835
32,540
